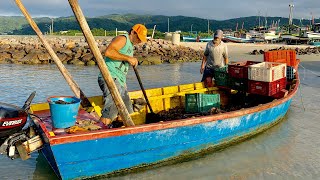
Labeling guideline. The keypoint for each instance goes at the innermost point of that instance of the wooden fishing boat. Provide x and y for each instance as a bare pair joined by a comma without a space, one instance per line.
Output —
237,39
193,37
315,43
125,149
111,151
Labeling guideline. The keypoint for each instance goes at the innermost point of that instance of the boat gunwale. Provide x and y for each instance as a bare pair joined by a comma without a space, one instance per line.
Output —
106,133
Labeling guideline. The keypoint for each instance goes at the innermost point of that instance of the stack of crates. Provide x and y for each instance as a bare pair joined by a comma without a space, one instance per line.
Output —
199,103
238,75
290,73
267,78
284,56
221,76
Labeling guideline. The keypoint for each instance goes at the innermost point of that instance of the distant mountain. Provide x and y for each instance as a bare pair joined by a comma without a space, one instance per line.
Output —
18,25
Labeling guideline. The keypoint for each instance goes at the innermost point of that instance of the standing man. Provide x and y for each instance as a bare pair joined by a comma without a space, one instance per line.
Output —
215,56
118,57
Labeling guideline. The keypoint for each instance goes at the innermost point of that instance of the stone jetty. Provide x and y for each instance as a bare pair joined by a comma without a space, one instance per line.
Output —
75,50
299,51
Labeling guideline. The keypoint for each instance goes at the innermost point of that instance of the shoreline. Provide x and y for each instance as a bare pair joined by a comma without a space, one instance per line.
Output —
74,50
241,51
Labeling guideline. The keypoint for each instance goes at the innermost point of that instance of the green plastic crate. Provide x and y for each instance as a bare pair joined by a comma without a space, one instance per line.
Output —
221,76
221,69
198,103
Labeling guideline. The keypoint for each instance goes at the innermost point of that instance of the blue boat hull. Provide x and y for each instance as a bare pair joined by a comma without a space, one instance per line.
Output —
103,156
317,44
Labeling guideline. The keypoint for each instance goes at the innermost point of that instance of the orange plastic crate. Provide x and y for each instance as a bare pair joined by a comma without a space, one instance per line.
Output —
287,56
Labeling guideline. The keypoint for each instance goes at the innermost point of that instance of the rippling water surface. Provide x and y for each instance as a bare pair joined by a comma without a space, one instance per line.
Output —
290,150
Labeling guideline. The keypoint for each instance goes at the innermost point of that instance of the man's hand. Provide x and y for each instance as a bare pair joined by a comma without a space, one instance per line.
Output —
133,61
201,70
203,64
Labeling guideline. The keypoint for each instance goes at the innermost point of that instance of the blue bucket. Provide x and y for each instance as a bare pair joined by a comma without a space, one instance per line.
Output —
64,115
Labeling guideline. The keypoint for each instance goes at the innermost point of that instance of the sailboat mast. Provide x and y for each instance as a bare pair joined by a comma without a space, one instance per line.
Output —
208,27
291,13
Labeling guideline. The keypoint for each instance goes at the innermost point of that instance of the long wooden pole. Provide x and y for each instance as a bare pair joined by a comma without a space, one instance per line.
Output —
142,88
67,76
101,64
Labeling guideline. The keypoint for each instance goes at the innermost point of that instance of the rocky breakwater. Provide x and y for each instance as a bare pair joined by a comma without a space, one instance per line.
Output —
74,50
161,51
299,51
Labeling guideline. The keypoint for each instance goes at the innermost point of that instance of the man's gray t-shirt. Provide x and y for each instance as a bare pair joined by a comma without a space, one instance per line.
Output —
216,54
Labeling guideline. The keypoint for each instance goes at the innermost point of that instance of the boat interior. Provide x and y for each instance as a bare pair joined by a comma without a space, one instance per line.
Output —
167,102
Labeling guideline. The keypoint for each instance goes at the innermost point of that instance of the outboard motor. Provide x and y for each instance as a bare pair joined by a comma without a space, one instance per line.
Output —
12,127
13,118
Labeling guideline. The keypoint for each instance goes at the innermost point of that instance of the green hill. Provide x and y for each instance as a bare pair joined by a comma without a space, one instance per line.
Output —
18,25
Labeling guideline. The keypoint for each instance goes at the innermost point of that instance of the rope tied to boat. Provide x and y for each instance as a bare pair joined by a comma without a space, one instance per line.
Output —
301,99
318,75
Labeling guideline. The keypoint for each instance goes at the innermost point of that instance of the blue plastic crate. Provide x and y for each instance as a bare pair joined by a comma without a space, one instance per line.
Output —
198,103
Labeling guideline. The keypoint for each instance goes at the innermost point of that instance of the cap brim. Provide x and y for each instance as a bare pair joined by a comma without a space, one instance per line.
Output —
142,38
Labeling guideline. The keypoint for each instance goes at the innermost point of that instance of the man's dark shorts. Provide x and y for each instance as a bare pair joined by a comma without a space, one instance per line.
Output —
208,72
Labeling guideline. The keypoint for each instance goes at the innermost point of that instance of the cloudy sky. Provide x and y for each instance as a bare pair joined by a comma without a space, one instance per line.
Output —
209,9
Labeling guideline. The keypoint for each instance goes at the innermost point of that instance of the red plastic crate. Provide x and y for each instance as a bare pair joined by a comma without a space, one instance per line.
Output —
285,56
240,69
281,94
266,88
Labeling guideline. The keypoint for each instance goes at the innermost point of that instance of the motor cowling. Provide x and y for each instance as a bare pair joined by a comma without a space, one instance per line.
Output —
8,113
11,121
14,133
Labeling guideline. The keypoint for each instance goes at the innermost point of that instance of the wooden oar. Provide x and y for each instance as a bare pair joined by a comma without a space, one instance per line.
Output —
142,88
150,117
85,103
101,64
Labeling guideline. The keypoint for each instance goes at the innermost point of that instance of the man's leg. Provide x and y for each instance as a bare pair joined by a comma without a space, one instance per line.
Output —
126,99
208,82
109,111
207,77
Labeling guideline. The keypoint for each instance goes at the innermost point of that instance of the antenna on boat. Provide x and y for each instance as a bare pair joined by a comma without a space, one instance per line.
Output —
208,27
291,13
168,25
259,20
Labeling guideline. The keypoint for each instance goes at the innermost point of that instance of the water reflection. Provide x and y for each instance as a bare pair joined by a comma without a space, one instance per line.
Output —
43,170
290,150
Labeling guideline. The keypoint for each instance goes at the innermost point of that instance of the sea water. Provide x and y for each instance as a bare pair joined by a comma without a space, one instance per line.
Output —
290,150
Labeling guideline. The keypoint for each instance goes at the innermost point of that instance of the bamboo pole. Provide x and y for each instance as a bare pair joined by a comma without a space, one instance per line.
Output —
67,76
101,64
